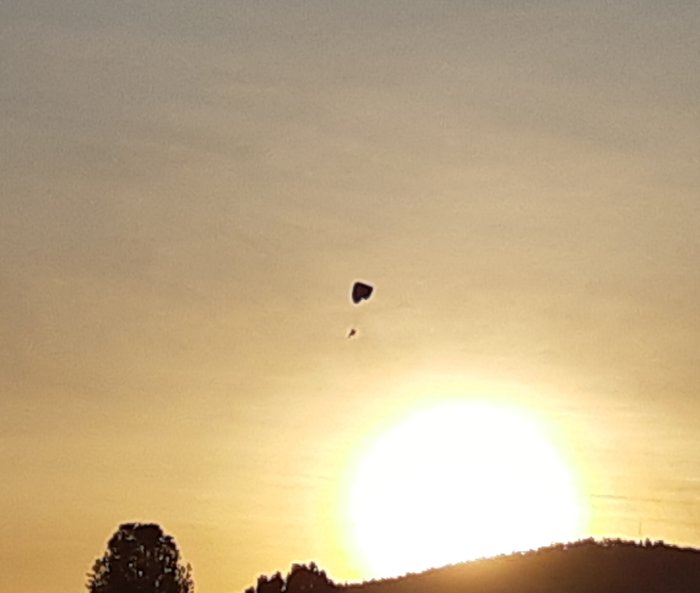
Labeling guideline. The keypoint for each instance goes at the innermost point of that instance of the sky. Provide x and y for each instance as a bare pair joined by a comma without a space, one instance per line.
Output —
187,191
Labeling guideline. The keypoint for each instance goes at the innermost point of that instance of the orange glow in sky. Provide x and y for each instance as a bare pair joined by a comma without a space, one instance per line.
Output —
188,190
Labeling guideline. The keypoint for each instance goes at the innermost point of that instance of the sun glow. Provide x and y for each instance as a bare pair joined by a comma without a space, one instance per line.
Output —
457,482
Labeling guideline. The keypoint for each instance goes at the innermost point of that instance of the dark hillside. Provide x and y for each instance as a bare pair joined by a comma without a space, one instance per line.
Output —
610,566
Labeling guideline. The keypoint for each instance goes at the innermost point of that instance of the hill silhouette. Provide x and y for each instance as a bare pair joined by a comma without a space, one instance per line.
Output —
587,566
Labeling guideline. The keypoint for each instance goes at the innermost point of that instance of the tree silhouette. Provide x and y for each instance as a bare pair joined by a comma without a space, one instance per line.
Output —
300,579
307,579
275,584
140,558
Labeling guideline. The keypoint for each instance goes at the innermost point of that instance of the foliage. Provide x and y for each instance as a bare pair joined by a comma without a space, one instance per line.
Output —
140,558
300,579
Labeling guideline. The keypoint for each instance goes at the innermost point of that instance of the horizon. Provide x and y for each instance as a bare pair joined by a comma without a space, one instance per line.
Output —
189,192
587,542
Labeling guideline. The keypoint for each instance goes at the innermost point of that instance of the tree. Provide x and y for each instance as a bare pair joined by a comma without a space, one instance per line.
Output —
140,558
307,579
275,584
300,579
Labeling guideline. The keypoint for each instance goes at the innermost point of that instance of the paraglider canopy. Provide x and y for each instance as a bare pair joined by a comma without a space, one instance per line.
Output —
361,292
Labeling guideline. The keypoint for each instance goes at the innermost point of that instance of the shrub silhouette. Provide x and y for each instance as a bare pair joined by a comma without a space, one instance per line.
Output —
140,558
307,579
274,584
300,579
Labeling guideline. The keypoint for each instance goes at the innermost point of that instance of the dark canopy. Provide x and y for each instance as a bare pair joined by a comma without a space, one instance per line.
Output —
361,292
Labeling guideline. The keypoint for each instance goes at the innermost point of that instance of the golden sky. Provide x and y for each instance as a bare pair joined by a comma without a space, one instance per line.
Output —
187,191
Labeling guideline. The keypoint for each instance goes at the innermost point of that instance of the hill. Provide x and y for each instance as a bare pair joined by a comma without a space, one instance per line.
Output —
587,566
609,566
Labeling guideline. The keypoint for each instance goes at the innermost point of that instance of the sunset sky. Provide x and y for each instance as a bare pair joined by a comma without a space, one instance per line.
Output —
188,190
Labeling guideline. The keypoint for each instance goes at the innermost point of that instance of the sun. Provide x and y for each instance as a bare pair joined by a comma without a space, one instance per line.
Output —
457,482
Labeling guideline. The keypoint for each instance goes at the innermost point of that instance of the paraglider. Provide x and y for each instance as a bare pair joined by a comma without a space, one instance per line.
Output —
360,292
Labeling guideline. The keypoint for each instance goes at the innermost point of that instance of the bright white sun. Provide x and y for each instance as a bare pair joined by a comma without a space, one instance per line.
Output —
457,482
